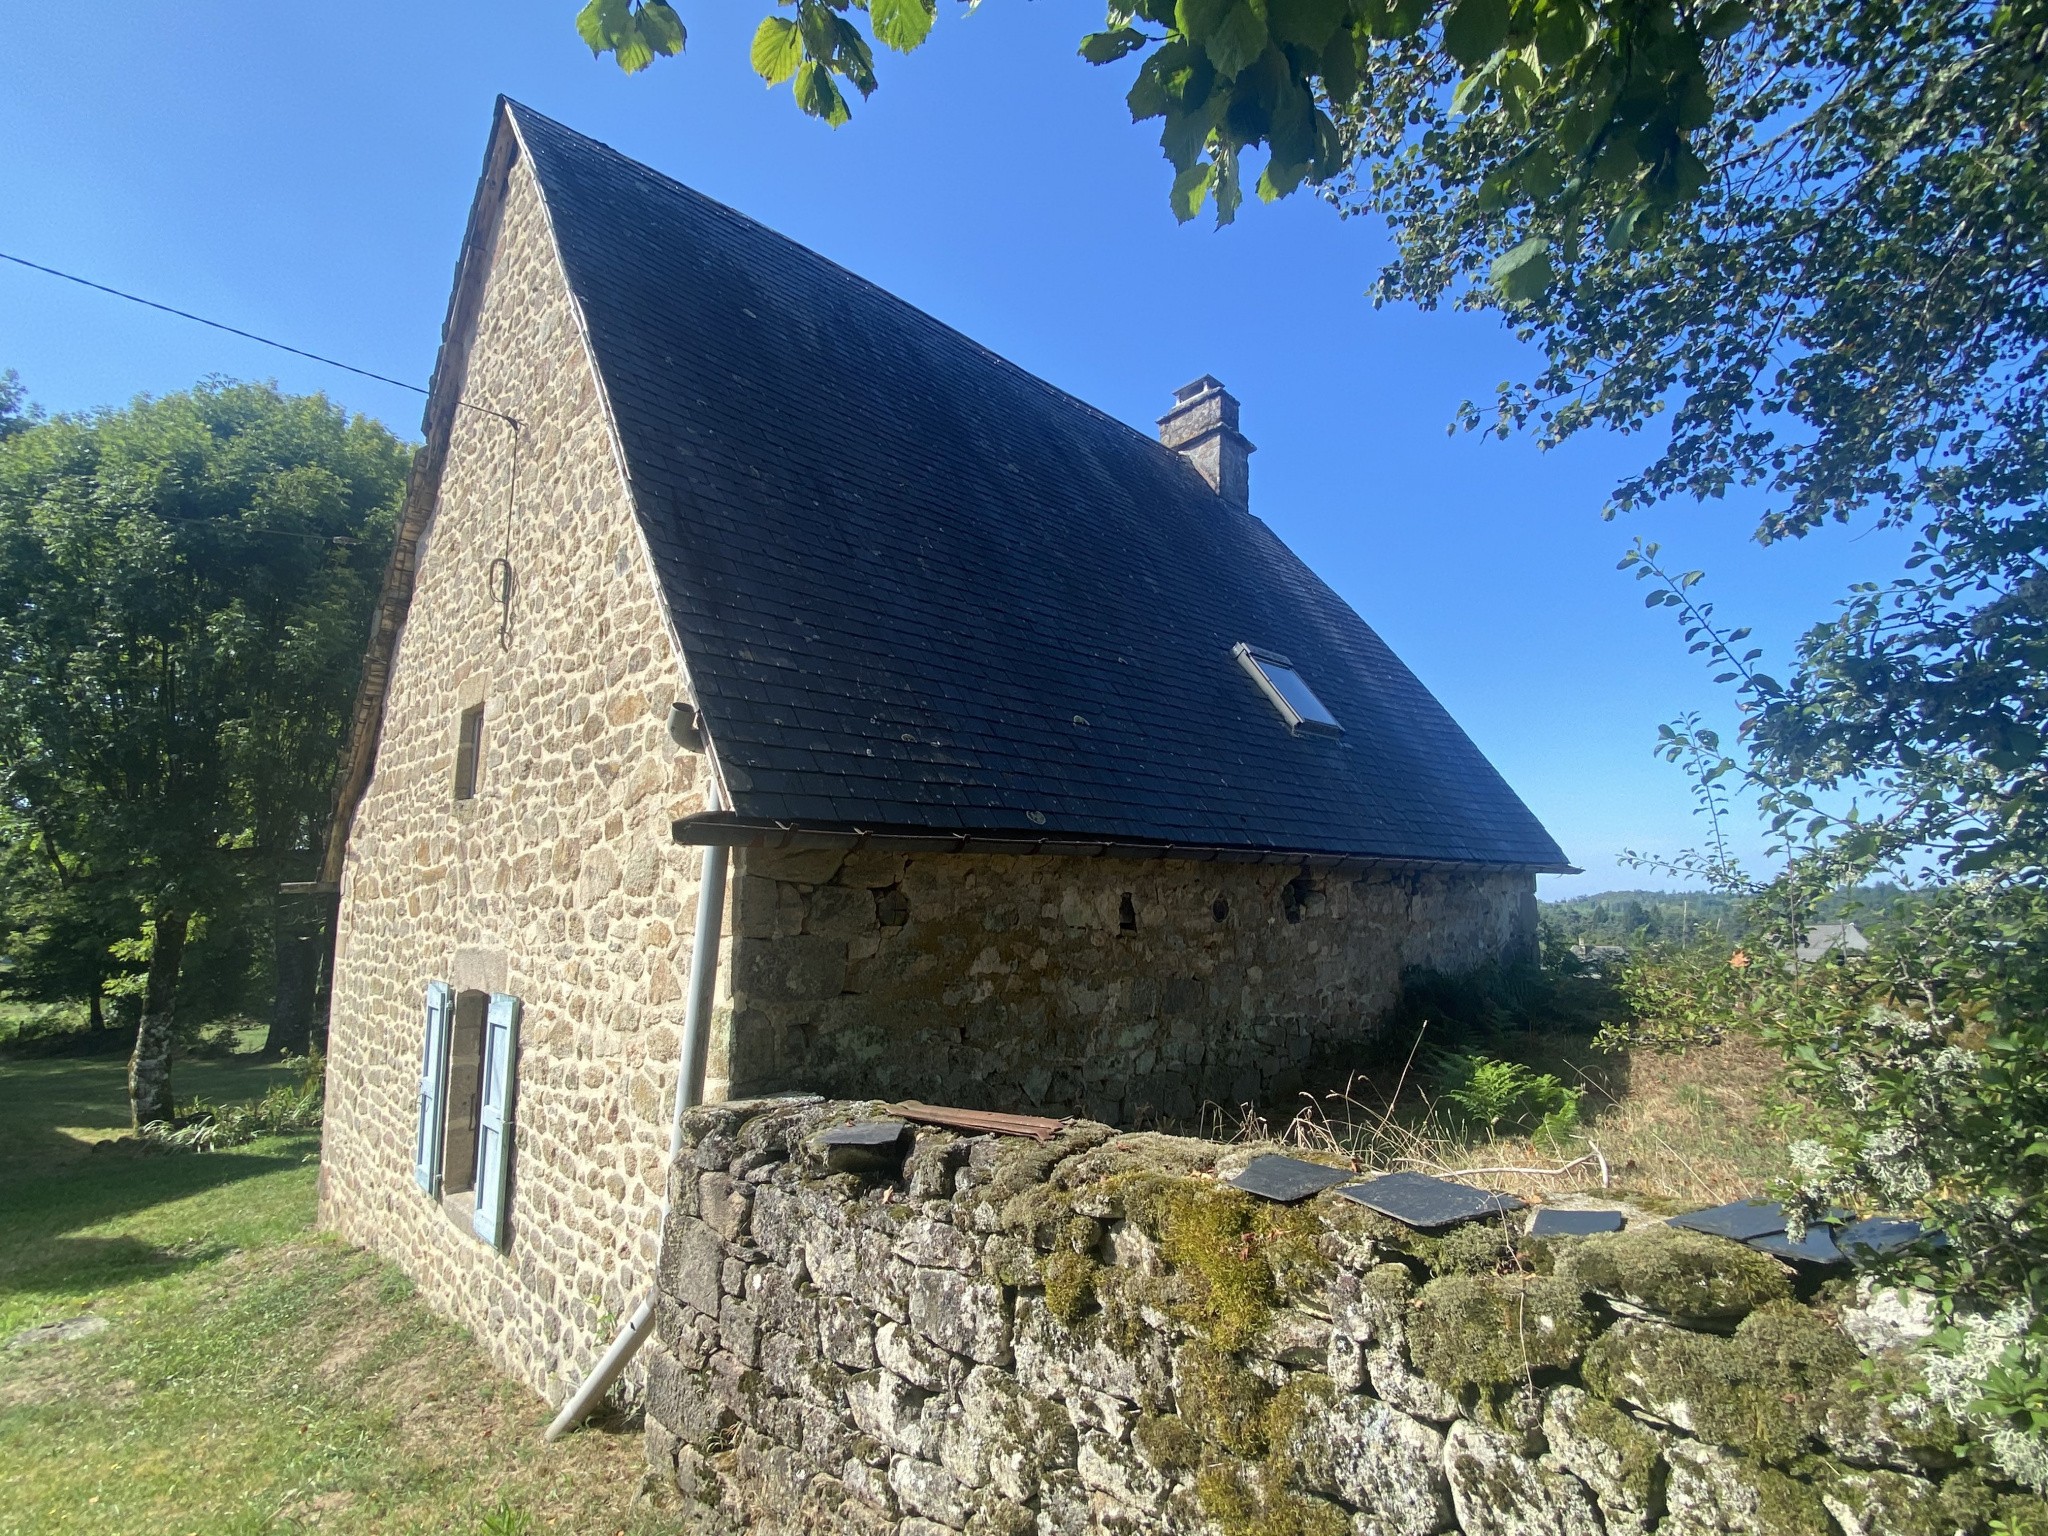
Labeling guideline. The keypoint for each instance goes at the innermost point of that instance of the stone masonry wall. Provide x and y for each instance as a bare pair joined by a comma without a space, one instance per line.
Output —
1122,989
557,883
1096,1336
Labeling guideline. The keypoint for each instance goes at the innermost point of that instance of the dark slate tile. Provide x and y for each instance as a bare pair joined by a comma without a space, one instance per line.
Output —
1743,1220
1874,1237
864,1133
1418,1200
1817,1246
1287,1179
1551,1223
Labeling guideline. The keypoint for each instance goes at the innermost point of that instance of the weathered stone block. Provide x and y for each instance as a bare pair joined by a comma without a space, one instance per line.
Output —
1369,1344
881,1281
1111,1466
1764,1392
1882,1416
1497,1491
1618,1459
722,1207
1054,1361
1888,1317
889,1408
918,1362
738,1330
799,969
937,1245
930,1490
775,1219
846,1332
960,1314
1711,1493
1382,1463
692,1263
683,1402
840,912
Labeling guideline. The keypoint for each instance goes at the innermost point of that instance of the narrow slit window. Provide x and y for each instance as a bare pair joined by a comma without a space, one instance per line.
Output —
469,752
1288,693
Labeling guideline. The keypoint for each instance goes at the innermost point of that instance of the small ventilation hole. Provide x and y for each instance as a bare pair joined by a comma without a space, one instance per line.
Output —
1294,896
1127,914
1221,909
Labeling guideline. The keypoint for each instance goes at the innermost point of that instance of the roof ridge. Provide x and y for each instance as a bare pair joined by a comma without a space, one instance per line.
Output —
521,109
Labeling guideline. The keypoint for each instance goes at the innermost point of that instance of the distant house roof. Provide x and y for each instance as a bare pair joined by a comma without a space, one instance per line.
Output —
1824,939
919,589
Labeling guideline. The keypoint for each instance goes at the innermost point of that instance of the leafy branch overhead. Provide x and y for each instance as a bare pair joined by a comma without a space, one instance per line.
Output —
1615,90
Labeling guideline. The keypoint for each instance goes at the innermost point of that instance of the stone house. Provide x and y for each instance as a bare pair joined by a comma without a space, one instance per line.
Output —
770,679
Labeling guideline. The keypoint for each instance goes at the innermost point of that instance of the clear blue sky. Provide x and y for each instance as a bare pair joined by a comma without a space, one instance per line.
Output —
304,172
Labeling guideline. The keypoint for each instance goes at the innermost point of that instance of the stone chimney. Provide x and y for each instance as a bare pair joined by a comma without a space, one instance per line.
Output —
1202,426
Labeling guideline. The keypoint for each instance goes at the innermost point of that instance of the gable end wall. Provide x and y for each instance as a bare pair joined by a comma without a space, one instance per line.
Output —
558,883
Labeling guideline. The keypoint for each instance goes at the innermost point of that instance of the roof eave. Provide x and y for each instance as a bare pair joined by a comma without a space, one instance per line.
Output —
726,829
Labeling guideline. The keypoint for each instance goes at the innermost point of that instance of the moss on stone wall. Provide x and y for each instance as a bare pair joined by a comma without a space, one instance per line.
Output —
1764,1392
1687,1276
1224,1401
1240,1257
1249,1501
1126,1344
1069,1284
1490,1333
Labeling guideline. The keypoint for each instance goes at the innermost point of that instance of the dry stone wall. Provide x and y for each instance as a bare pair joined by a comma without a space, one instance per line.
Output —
1128,991
557,883
999,1338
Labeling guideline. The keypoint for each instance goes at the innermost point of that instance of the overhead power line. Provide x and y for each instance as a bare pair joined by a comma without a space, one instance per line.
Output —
235,330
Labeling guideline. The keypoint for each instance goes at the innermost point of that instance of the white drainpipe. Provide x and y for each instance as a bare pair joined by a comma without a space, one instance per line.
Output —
689,1093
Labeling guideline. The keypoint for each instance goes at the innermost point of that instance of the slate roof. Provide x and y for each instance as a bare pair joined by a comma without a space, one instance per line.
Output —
917,587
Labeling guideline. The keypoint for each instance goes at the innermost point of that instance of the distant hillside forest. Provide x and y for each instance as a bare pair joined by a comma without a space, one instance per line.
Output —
1680,917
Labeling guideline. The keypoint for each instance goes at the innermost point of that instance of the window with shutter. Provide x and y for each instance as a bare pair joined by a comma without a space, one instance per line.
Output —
426,1158
494,1119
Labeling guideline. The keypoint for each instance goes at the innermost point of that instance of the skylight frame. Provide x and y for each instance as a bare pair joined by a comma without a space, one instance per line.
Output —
1299,704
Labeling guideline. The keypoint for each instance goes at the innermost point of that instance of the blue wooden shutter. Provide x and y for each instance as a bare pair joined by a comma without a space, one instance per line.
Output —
426,1154
494,1118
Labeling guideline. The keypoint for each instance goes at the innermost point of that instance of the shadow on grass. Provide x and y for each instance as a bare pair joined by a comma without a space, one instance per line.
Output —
125,1178
66,1168
79,1264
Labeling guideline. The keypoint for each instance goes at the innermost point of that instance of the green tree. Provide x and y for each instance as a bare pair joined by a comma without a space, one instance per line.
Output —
16,415
184,593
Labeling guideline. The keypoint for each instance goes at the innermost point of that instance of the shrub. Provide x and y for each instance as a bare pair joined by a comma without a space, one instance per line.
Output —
1484,1093
284,1108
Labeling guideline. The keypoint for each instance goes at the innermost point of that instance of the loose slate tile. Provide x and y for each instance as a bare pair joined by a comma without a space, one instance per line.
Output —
866,1146
1875,1236
1549,1223
1744,1220
1816,1247
1421,1201
865,1133
1286,1179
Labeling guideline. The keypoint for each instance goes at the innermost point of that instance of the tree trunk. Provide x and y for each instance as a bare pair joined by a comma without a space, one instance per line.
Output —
149,1069
96,1010
327,935
298,978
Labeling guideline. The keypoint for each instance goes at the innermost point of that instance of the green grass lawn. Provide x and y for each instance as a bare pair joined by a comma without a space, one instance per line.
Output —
254,1376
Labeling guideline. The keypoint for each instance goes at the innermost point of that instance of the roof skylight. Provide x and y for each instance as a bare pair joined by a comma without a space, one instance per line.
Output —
1296,701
